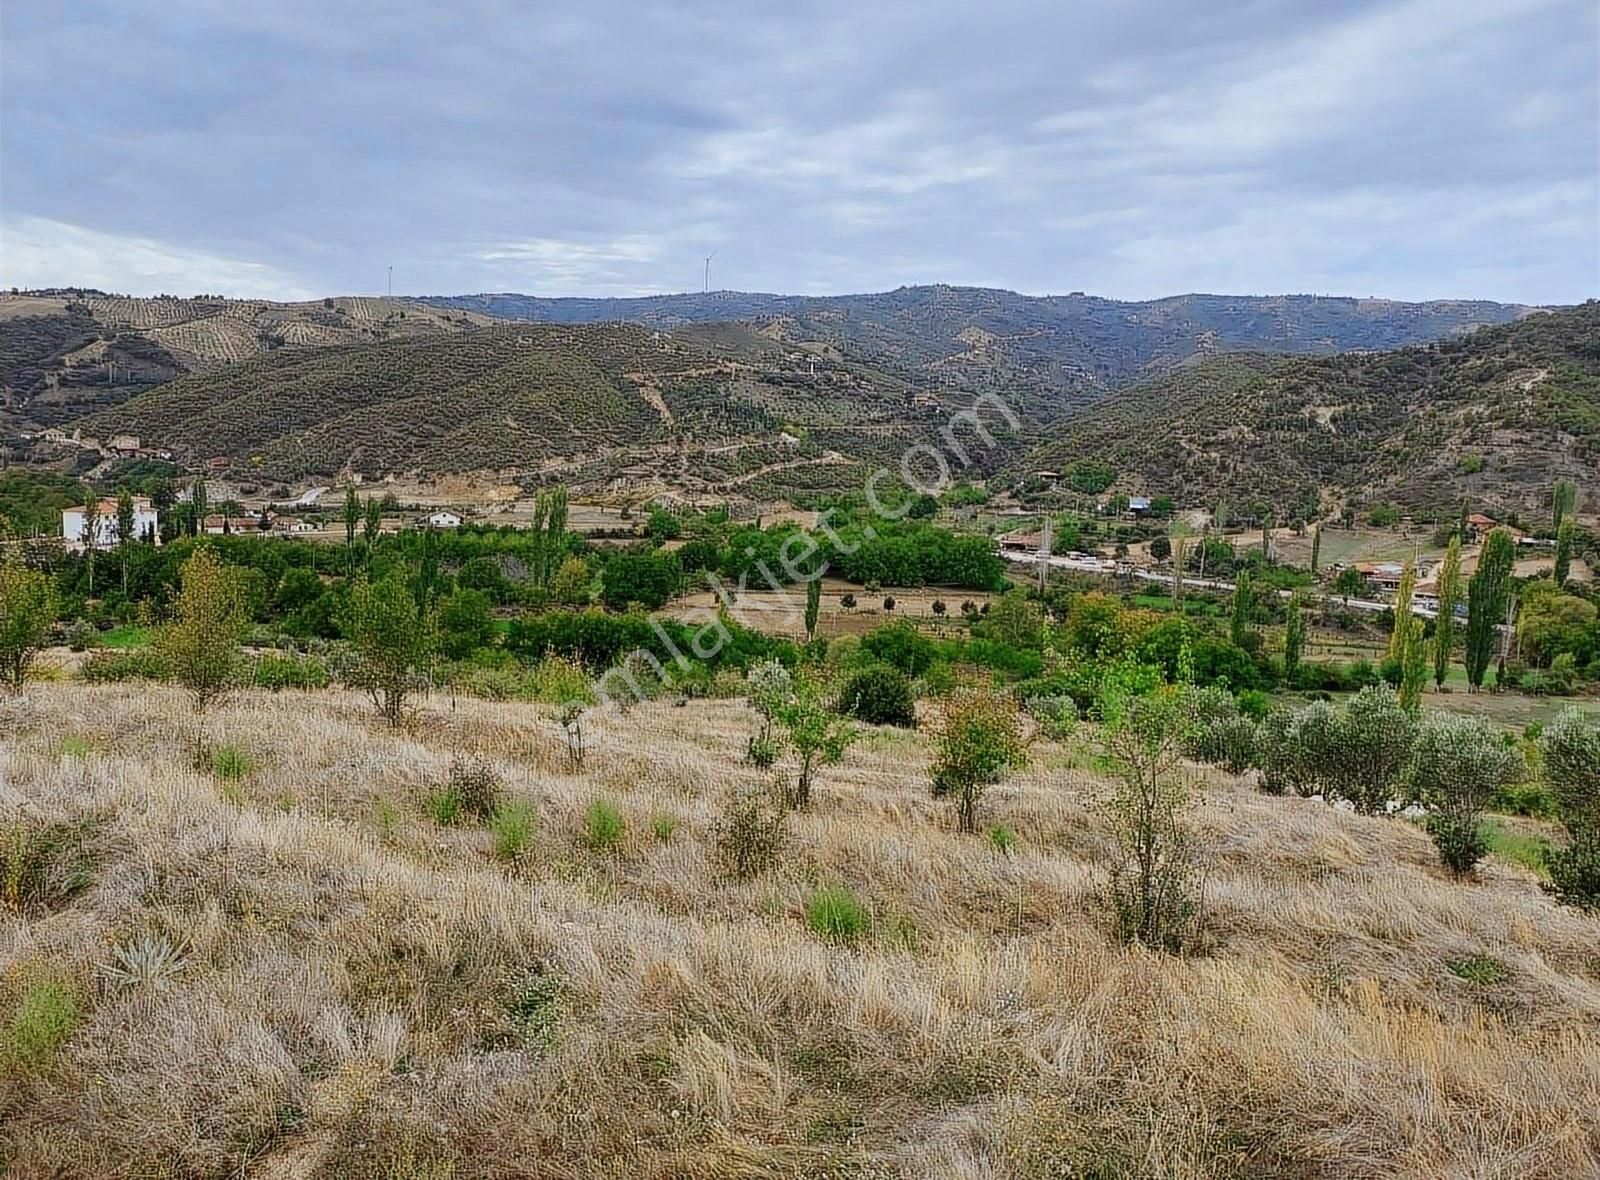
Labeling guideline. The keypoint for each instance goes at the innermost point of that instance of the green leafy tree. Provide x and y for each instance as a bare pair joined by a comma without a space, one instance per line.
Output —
817,735
200,646
371,523
392,643
125,537
1350,584
465,623
549,532
1294,640
813,606
768,686
1444,627
197,507
91,533
352,521
1564,542
1457,766
1243,607
1486,603
27,611
163,497
570,587
977,740
1563,497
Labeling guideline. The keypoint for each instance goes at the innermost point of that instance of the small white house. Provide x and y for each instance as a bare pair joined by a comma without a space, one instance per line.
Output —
74,523
444,520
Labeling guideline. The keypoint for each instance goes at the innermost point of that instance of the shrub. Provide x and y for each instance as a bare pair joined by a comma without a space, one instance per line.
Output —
1575,873
835,914
603,826
751,833
443,807
978,738
145,961
475,785
201,645
230,764
41,865
1369,749
113,667
1457,766
1055,713
27,612
903,646
45,1016
663,826
1003,839
512,827
768,685
281,670
817,736
879,695
391,643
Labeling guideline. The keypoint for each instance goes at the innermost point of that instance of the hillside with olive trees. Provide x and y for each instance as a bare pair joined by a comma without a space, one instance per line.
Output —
1494,417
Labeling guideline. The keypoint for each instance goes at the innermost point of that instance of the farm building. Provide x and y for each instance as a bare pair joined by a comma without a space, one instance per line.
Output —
74,523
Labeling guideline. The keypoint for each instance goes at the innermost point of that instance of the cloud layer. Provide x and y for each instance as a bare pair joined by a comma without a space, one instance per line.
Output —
1408,148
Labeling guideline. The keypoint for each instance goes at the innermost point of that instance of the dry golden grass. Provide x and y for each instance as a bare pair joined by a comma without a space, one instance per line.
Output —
368,994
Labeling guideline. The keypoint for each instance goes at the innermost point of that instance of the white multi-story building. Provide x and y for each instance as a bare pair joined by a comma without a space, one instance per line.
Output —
74,523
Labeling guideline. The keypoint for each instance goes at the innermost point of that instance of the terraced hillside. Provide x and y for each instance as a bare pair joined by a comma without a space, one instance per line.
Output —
596,405
1496,417
1049,353
66,353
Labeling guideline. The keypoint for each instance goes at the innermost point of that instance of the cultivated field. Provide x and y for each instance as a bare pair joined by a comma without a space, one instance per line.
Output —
364,992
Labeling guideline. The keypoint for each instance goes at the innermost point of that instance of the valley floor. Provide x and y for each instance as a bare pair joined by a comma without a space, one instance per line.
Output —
364,992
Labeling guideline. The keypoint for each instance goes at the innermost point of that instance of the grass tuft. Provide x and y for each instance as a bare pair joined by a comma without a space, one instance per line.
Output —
834,913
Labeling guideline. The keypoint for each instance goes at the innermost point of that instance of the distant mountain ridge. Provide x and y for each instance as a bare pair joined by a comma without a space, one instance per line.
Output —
1054,352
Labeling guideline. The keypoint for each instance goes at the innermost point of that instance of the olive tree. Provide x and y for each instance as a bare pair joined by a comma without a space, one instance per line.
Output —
1571,748
1457,765
1370,749
1295,748
977,739
27,611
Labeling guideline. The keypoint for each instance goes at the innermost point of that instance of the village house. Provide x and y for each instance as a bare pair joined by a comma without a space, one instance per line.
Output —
444,520
1018,542
74,523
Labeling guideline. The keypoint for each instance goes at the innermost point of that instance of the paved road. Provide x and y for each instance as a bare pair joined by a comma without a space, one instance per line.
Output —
1110,569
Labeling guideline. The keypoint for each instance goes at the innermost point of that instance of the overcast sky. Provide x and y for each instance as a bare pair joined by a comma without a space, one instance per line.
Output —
1407,148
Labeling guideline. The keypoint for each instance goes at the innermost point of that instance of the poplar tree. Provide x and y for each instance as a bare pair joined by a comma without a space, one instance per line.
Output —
1563,497
91,532
1449,598
1243,604
1486,603
197,503
1316,547
813,606
124,532
1294,639
1399,633
1563,551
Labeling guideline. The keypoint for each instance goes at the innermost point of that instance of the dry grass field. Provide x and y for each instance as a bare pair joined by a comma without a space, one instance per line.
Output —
364,992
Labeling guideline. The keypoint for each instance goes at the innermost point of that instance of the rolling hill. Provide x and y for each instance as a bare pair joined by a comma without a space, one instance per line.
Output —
709,408
69,352
1050,353
1495,416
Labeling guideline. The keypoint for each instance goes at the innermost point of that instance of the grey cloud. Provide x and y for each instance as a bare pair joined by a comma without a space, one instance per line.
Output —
1413,148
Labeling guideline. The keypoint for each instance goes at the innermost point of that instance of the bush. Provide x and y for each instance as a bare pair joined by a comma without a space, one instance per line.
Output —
879,695
475,785
1216,732
230,764
834,913
903,646
1003,839
978,739
1575,873
1571,750
1292,748
512,826
46,1015
1055,713
41,865
281,670
1457,765
603,826
112,667
751,833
